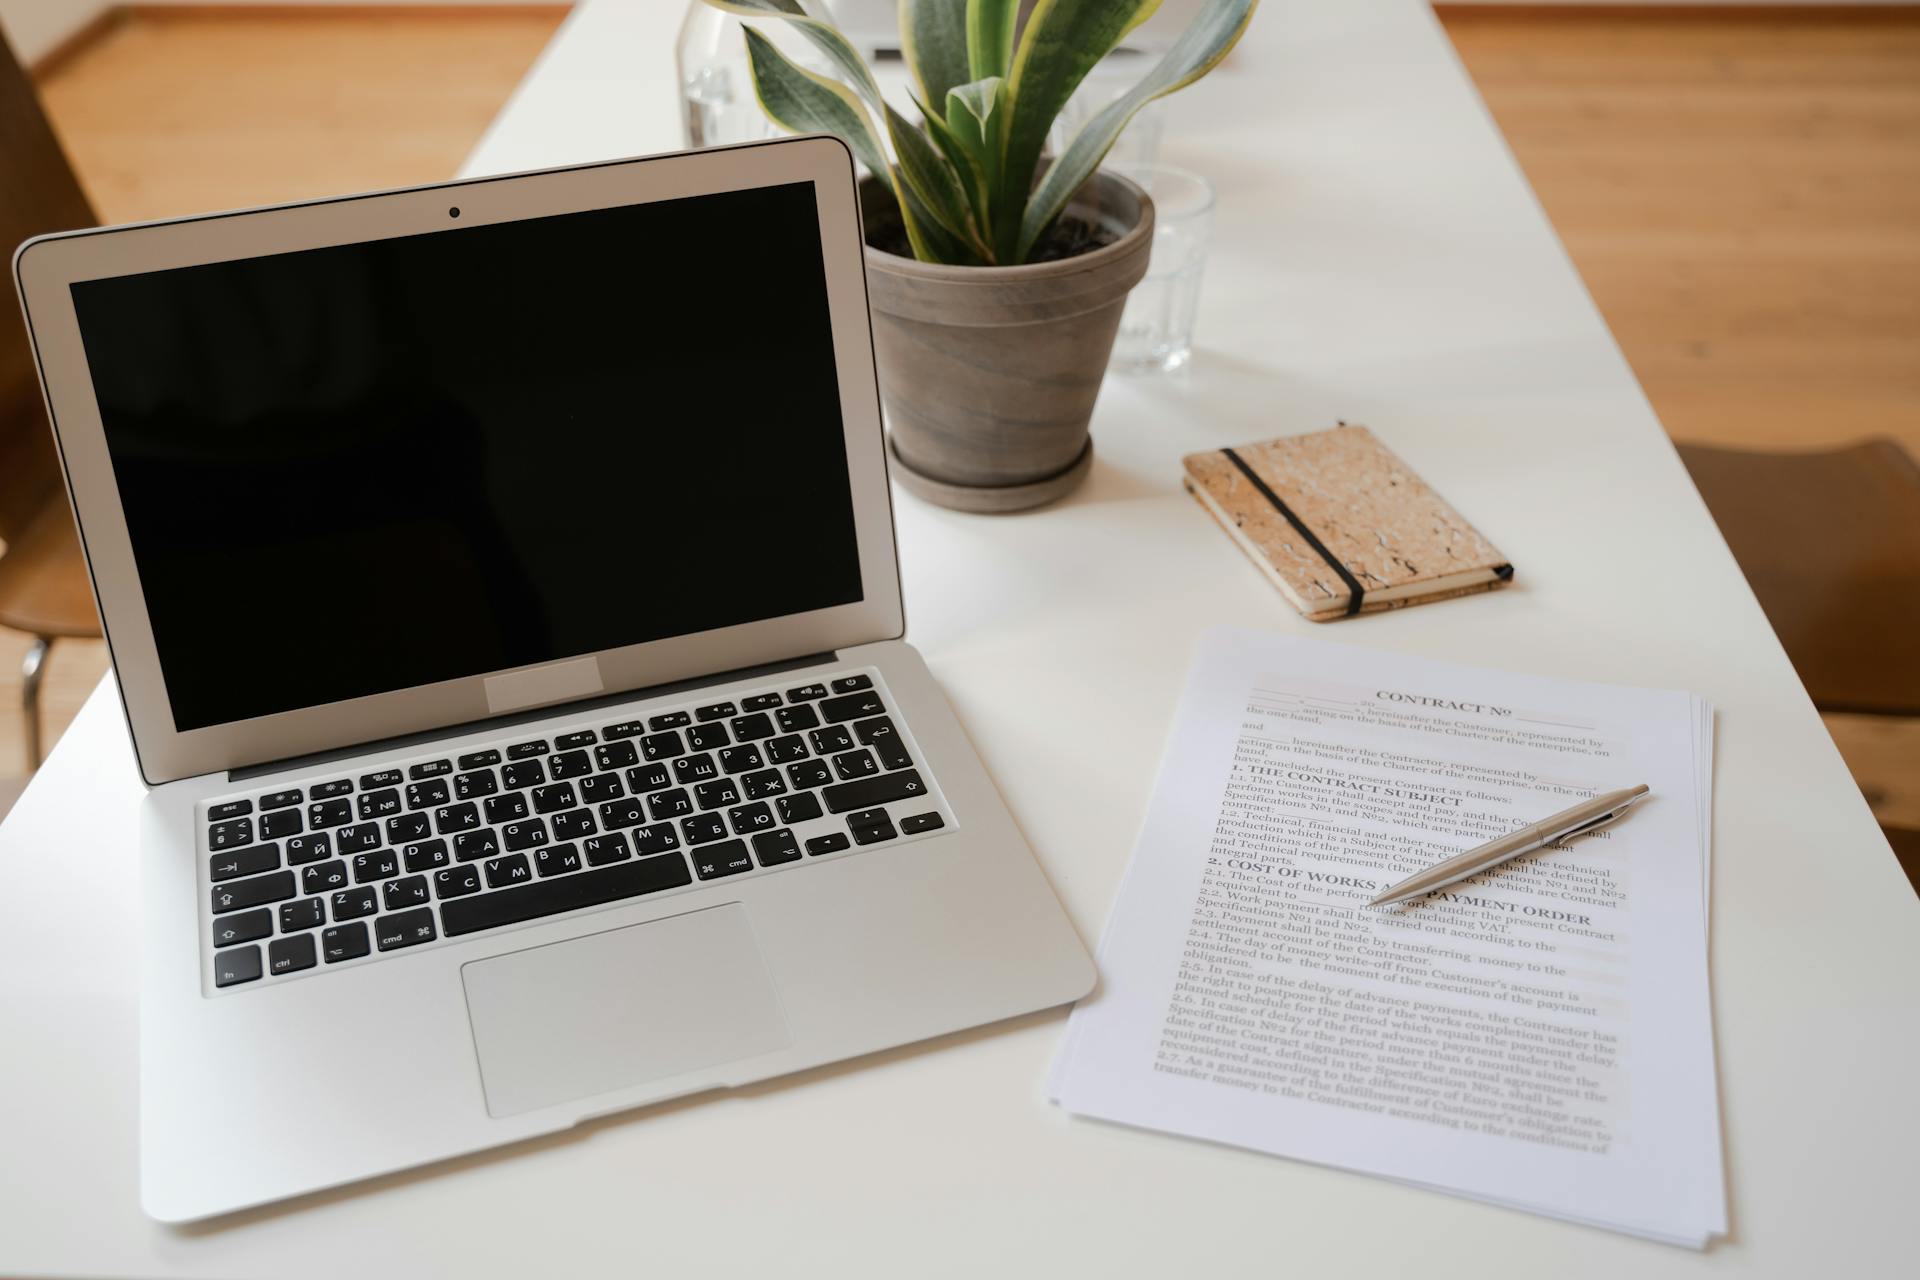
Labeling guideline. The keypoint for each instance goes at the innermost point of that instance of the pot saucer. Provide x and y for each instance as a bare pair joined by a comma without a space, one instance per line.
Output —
990,498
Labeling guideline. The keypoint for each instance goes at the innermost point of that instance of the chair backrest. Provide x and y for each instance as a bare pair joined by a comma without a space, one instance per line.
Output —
38,193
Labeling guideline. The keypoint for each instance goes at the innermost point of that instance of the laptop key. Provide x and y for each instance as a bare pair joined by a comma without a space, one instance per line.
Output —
921,822
794,719
706,737
469,845
378,804
616,814
305,849
281,799
357,839
302,913
703,827
242,926
670,720
408,929
658,838
893,753
875,834
430,769
556,859
881,789
809,773
231,968
290,955
408,826
806,692
523,835
625,729
479,759
580,738
346,942
280,823
800,808
615,755
238,895
527,750
569,764
600,788
776,848
832,842
648,777
760,702
663,746
428,855
788,749
612,847
369,867
856,764
727,859
749,818
767,782
512,869
456,817
740,759
250,861
456,882
234,831
753,728
669,804
384,778
523,773
853,706
398,895
831,739
351,904
715,711
231,809
324,878
508,808
563,893
328,790
848,684
472,786
329,813
716,794
552,799
573,825
695,769
426,795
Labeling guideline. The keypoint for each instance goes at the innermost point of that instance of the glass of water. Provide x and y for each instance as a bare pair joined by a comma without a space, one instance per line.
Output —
1156,331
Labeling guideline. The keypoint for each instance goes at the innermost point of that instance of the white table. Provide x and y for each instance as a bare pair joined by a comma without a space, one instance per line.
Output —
1379,258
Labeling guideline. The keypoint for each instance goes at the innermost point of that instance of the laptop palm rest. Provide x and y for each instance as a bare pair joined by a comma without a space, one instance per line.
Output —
617,1009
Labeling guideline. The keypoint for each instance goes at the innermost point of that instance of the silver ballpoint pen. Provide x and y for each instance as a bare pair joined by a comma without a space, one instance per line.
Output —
1583,817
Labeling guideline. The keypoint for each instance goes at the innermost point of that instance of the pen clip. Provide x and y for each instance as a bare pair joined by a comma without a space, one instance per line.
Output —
1560,841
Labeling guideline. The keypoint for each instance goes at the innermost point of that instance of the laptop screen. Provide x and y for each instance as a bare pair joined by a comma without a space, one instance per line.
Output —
357,469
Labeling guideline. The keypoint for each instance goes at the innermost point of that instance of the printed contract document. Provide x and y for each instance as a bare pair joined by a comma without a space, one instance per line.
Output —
1538,1036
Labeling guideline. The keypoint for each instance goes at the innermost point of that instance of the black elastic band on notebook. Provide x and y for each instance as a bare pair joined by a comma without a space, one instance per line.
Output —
1353,583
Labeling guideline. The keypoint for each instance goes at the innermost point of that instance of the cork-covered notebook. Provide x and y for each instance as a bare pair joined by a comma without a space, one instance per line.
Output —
1341,525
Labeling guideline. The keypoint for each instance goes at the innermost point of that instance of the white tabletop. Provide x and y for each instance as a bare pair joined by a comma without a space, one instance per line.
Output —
1380,259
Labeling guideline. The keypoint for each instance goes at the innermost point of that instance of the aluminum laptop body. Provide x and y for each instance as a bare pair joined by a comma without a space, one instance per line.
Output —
501,587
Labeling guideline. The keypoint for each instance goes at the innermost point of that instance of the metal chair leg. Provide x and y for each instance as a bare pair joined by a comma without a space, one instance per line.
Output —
30,673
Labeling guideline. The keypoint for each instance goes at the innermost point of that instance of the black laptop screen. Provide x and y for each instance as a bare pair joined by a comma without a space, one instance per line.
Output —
358,469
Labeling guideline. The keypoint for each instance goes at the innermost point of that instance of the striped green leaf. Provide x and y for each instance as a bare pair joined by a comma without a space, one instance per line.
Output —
1199,49
823,35
933,38
990,25
933,182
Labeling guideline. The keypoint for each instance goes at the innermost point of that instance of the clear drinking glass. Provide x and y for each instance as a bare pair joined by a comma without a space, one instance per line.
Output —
1156,331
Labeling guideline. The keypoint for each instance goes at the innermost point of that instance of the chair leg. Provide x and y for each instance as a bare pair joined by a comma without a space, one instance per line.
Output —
30,672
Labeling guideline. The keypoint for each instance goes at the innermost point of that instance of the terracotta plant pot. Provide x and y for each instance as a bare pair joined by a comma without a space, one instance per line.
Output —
989,374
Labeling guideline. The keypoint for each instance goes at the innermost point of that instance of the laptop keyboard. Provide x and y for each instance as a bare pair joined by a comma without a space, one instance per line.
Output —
427,849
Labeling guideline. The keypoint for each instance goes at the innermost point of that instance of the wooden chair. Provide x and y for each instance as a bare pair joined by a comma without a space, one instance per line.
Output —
1830,543
44,588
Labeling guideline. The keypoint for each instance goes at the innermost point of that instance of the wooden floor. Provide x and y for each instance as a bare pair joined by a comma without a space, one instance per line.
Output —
1741,192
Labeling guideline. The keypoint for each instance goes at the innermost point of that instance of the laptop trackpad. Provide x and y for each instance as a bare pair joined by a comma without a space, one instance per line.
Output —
620,1008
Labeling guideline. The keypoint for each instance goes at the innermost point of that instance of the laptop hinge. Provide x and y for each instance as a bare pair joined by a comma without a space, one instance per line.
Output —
527,717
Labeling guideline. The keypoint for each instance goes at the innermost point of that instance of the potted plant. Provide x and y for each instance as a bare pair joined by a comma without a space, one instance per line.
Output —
996,274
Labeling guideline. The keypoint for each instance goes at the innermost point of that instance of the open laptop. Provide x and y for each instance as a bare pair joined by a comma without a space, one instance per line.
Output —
501,586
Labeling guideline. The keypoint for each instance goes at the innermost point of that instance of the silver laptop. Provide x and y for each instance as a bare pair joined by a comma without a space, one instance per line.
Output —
501,586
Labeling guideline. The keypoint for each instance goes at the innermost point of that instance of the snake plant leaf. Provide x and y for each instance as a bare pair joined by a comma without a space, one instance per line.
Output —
933,38
990,25
1199,49
974,121
931,178
1062,41
801,102
962,152
823,35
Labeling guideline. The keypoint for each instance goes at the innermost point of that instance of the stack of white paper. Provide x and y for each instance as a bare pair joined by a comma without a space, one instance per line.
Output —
1538,1036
